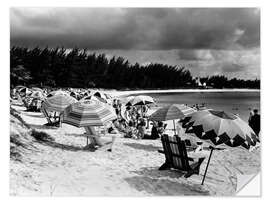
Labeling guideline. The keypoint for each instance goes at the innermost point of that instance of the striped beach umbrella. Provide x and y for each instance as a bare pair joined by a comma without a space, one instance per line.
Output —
24,91
36,89
92,97
58,102
57,92
19,87
127,100
171,112
74,94
141,100
37,95
88,113
100,95
220,127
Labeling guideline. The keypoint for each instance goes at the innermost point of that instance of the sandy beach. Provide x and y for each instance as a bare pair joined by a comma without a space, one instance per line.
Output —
134,101
64,168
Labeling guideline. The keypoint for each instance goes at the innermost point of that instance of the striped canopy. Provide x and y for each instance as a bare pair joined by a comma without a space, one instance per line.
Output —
19,87
171,112
94,98
24,91
100,95
141,100
58,102
36,89
88,113
57,92
220,128
37,95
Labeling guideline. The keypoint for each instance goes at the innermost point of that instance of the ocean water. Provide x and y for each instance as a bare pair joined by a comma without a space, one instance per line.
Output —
240,103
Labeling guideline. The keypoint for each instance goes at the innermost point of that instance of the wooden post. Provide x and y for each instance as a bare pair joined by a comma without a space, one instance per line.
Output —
174,127
212,148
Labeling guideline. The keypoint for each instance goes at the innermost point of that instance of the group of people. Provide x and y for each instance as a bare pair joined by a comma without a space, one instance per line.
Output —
133,123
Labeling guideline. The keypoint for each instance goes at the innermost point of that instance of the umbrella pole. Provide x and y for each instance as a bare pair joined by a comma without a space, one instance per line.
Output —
174,127
212,149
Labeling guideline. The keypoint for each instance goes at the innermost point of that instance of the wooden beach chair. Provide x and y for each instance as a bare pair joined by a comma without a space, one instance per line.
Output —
45,113
176,156
95,139
25,103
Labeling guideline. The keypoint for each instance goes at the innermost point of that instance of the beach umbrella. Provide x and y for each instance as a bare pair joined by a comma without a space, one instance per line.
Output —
220,127
100,95
141,100
88,113
127,100
37,95
171,112
24,91
92,97
57,92
74,94
108,96
58,102
36,89
19,87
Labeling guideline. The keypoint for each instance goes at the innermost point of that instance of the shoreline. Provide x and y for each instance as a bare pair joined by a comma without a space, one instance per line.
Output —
117,93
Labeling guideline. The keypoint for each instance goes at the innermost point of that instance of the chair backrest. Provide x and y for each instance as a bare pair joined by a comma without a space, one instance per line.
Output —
45,113
89,130
175,151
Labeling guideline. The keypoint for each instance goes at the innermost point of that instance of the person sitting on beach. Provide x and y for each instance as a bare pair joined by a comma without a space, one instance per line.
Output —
179,130
255,121
127,113
154,132
161,128
141,128
144,110
131,131
121,125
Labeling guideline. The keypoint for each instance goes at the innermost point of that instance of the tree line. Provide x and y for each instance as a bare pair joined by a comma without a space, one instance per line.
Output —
59,67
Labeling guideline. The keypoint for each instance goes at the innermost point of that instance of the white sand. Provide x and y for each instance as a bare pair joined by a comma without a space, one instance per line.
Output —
62,168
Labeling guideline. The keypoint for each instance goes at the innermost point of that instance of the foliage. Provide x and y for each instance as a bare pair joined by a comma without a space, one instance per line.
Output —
60,67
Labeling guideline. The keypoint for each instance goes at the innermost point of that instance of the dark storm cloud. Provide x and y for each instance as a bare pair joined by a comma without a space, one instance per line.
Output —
137,28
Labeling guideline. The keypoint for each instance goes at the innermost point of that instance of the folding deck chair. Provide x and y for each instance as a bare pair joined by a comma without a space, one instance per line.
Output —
176,156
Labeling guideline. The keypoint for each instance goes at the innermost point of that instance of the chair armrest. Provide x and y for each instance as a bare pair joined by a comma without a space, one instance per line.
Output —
190,159
161,151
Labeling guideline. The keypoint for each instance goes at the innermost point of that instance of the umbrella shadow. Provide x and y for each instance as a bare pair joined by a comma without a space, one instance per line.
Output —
42,127
150,147
153,172
67,147
156,182
75,135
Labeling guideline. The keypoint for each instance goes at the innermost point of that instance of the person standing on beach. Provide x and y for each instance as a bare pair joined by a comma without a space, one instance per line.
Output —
254,121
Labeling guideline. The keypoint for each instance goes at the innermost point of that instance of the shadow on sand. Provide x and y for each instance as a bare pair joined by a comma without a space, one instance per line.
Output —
150,148
42,127
68,147
169,182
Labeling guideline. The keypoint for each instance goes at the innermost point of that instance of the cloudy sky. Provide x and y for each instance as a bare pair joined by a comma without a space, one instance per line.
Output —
206,41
